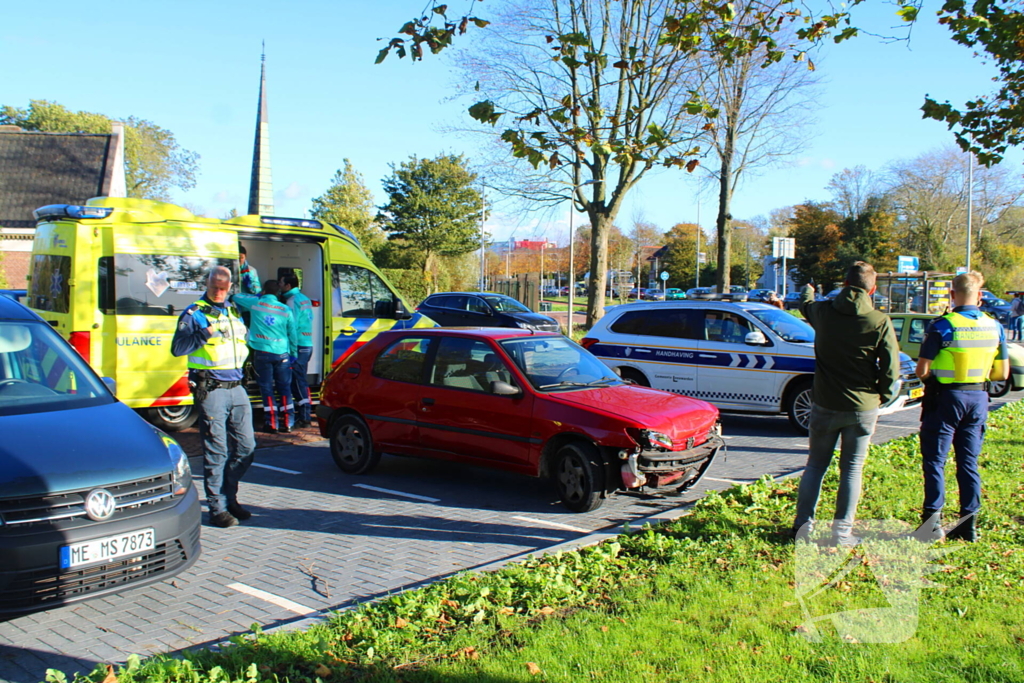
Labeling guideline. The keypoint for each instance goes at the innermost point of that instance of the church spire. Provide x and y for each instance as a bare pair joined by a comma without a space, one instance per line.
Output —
261,186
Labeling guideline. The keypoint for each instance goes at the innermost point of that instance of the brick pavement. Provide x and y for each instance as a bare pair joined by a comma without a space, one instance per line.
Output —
323,543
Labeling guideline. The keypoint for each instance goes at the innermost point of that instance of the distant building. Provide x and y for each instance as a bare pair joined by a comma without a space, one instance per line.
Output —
37,169
772,276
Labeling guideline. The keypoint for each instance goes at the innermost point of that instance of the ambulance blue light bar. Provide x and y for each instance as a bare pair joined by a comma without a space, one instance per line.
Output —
293,222
346,233
71,211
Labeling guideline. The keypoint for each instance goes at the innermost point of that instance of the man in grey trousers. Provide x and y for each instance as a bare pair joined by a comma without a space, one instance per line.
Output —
857,364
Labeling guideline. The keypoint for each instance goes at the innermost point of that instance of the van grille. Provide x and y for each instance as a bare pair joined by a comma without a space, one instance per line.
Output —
31,589
131,498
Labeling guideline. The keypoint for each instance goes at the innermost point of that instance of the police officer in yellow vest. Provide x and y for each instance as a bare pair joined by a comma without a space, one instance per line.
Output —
961,351
212,334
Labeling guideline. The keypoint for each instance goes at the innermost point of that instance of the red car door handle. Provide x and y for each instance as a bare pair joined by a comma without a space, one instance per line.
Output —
427,401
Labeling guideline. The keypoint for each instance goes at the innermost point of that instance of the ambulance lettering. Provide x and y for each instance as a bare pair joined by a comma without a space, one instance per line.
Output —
140,341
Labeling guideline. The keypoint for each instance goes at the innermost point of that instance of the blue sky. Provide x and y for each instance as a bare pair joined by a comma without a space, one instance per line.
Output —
193,68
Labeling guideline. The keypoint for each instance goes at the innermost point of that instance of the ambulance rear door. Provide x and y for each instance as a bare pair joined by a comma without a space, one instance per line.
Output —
155,272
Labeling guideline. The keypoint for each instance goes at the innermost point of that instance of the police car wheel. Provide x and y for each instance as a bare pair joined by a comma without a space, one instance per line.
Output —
999,389
634,377
798,406
352,445
579,477
172,418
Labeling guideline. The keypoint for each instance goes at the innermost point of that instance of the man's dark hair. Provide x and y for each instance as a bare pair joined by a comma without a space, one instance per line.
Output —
861,275
290,281
242,251
271,287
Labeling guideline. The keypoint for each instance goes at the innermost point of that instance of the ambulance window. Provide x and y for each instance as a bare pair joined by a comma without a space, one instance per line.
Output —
897,326
162,284
50,289
917,330
105,284
359,293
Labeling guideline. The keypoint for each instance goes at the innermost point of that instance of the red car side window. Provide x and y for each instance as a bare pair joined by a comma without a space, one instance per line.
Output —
404,360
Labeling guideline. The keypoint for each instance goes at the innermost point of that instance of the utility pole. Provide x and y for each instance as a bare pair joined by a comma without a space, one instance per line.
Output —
483,258
970,204
696,280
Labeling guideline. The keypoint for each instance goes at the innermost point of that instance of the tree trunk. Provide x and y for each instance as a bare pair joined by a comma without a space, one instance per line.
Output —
723,224
600,224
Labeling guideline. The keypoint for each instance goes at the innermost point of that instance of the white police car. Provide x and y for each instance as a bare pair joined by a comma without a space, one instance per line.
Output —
746,356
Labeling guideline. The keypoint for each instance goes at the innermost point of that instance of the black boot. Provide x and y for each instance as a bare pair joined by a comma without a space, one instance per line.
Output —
965,530
930,530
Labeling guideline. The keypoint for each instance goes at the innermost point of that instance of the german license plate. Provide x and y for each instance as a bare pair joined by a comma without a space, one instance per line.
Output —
108,548
917,393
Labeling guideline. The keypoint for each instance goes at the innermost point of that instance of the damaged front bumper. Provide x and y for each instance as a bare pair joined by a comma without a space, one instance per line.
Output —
658,467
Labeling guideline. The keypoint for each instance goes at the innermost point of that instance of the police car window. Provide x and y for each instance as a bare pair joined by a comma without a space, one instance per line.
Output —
630,322
917,329
404,360
725,327
897,325
50,289
677,323
359,293
162,284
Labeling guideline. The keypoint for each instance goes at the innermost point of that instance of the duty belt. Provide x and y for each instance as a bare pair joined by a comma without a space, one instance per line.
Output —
977,386
219,384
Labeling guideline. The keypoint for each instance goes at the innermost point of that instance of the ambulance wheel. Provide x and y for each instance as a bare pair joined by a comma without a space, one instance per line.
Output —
172,418
352,445
633,377
798,405
999,389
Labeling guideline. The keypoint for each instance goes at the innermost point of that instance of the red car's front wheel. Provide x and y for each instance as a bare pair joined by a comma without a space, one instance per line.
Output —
352,445
579,477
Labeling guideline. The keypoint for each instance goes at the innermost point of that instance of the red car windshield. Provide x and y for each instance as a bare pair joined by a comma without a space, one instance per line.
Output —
555,363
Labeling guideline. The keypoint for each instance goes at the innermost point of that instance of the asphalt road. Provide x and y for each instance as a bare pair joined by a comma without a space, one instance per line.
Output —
321,540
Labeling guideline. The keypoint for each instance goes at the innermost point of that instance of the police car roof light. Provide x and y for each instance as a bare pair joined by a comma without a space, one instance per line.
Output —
71,211
294,222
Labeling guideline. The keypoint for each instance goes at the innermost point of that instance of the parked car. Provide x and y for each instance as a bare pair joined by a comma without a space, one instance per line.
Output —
93,500
791,301
748,356
551,291
700,293
636,293
18,295
654,294
880,300
536,404
910,332
483,309
996,307
674,294
759,294
735,293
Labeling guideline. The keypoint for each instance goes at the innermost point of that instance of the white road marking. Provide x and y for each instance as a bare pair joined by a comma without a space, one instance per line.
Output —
284,603
397,493
276,469
730,481
553,525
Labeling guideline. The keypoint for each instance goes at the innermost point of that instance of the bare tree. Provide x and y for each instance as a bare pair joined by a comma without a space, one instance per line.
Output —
595,96
763,116
852,188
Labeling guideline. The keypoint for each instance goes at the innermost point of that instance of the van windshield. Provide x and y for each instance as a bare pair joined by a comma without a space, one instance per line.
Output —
39,372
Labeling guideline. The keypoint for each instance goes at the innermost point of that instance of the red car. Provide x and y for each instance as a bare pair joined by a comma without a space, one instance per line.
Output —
529,402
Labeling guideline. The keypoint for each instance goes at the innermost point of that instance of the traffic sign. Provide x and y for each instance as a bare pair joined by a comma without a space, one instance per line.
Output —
961,270
783,247
664,275
907,264
702,257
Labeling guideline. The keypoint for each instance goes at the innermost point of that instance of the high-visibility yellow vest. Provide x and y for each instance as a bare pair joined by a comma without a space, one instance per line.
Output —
968,359
226,349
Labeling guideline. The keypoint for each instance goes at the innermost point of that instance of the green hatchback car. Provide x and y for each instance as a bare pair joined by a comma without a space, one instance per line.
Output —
674,294
910,330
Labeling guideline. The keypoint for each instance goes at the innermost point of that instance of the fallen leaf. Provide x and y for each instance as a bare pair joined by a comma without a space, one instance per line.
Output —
708,668
971,577
547,610
401,623
322,671
110,677
533,668
506,611
604,629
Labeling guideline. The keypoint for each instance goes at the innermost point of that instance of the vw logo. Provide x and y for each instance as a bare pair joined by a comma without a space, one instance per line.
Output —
99,505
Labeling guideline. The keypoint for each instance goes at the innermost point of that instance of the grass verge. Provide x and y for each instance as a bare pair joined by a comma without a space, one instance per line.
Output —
712,596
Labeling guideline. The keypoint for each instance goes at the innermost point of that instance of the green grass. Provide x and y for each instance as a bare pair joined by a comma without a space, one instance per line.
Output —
709,597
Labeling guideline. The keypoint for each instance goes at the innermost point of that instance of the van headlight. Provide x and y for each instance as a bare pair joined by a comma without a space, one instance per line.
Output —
181,475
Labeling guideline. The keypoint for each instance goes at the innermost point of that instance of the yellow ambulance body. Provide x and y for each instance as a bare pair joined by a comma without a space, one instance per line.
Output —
114,275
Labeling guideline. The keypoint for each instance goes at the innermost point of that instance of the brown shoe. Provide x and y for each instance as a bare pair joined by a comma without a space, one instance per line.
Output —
223,520
239,512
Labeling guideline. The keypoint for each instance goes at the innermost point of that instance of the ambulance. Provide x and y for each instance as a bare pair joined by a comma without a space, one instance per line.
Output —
114,275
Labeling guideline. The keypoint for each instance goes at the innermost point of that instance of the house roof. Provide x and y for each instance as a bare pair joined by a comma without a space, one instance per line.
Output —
37,169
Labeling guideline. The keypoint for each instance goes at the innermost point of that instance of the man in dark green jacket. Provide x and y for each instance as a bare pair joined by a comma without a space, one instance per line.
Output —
857,364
